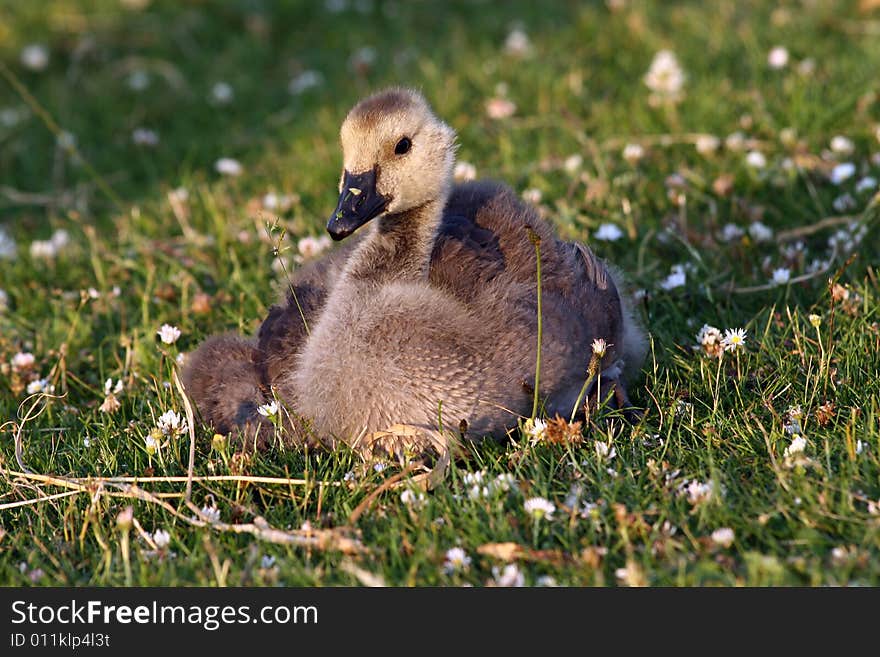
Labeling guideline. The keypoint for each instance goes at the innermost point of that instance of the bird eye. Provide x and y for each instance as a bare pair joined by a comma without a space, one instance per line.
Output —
403,146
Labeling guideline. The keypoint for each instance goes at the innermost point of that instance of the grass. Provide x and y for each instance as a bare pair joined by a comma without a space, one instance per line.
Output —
710,452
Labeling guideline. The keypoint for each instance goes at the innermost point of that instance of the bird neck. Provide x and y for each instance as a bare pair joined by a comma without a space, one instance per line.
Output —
398,247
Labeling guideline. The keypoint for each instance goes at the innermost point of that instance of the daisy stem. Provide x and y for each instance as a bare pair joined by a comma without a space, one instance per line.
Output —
126,557
717,383
581,394
533,236
822,365
738,382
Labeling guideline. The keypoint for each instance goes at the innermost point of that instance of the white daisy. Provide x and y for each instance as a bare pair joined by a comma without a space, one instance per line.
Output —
12,116
532,195
415,499
8,247
222,93
511,576
44,249
152,444
500,108
698,492
539,508
844,203
35,57
281,264
806,66
841,172
676,278
168,334
841,145
179,195
723,536
504,482
734,339
456,560
138,80
631,575
535,429
268,410
171,424
604,450
311,247
707,144
735,141
573,162
23,360
797,446
40,385
161,538
144,137
228,166
780,276
756,160
517,43
665,76
788,137
66,140
632,153
793,417
212,512
865,184
60,238
304,81
731,232
760,232
362,59
608,233
708,336
777,58
278,202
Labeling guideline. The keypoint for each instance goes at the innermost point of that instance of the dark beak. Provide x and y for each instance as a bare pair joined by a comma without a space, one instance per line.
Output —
358,203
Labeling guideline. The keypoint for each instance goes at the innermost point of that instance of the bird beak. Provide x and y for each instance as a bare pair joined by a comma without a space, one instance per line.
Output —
358,203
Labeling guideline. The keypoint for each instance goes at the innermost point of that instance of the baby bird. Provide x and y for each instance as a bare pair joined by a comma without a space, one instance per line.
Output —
432,321
429,320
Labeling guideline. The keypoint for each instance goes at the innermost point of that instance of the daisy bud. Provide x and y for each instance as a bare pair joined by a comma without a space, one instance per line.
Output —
123,520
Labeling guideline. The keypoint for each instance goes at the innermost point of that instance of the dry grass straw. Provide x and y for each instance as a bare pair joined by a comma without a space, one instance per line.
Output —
339,539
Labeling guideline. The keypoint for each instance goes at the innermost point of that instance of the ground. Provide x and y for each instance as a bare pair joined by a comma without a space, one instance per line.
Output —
161,160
